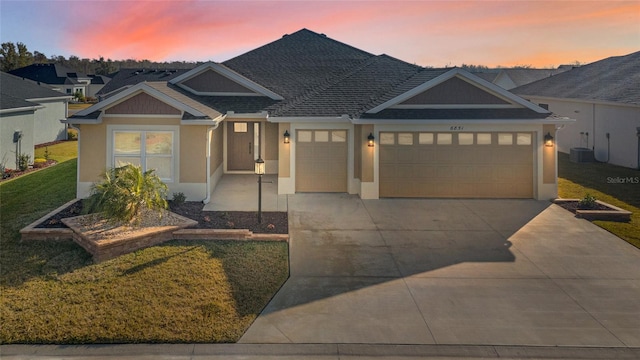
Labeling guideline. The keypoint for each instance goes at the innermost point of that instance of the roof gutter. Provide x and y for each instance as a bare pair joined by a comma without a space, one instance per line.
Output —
550,120
21,109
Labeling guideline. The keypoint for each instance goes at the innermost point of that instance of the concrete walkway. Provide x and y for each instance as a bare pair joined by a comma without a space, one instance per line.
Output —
481,272
240,193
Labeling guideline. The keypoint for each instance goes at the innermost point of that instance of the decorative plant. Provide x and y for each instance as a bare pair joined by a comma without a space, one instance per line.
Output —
23,161
39,162
125,192
179,198
587,202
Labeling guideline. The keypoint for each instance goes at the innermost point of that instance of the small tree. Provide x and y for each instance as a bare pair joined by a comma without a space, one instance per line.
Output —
125,192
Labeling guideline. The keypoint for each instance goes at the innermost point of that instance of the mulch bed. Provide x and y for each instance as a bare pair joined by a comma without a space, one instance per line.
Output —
573,206
272,222
10,174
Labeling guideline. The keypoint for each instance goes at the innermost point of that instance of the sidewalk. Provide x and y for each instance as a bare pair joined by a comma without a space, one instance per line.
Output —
309,351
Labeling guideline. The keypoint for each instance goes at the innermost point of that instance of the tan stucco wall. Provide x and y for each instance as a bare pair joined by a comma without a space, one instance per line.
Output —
366,154
217,153
93,152
357,153
140,121
272,138
284,153
549,156
193,154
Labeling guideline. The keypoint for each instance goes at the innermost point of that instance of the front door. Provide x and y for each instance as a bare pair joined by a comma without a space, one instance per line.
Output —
240,146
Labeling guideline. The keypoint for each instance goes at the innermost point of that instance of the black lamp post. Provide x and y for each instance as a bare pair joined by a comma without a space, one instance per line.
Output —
259,170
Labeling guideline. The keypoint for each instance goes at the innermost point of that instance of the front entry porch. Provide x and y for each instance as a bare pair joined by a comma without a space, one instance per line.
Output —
239,192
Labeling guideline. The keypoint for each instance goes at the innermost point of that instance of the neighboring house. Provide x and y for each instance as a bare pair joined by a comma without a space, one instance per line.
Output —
125,78
29,115
325,117
512,78
604,98
62,78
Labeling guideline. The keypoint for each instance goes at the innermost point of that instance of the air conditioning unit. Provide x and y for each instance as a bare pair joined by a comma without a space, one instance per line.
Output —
581,155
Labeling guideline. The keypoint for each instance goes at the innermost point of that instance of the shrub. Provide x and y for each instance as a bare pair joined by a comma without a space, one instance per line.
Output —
72,134
587,202
125,192
39,162
23,161
179,198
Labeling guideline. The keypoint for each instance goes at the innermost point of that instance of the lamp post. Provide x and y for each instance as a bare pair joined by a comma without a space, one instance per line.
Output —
259,170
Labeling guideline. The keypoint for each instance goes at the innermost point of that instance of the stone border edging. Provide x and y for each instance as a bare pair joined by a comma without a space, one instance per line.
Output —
615,214
31,233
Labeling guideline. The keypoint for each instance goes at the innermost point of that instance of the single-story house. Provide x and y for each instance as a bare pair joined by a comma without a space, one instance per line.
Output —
29,115
62,78
325,117
604,98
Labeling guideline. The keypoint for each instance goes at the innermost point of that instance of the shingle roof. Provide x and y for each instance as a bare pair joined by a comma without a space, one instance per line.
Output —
129,77
615,79
54,74
17,88
11,102
298,63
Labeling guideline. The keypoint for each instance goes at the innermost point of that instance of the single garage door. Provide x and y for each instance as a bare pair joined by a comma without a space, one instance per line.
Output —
456,165
321,161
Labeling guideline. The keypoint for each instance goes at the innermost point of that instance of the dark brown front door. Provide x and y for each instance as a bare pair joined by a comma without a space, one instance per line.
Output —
240,146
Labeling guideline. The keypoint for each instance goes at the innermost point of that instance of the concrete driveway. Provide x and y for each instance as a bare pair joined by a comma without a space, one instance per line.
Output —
517,272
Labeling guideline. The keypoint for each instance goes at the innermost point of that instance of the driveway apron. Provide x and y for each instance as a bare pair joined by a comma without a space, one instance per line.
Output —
434,271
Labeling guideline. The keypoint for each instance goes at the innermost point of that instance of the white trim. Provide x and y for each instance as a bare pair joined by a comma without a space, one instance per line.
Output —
175,129
550,120
21,109
135,90
144,116
210,93
463,75
51,98
234,115
228,73
311,119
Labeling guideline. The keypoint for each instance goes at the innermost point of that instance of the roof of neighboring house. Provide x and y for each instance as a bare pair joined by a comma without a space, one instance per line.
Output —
16,92
614,79
130,77
53,74
99,79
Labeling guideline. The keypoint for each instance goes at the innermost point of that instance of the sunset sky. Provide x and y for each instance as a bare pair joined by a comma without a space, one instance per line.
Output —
425,32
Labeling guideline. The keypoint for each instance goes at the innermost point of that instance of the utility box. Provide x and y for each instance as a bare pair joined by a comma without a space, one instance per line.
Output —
581,155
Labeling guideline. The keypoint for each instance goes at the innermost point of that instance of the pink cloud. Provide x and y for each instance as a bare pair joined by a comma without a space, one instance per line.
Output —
425,32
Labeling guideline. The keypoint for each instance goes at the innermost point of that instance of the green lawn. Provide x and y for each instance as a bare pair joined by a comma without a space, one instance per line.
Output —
182,291
60,152
604,182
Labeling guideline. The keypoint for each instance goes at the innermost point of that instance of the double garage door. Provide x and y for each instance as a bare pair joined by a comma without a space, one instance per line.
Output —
321,160
450,165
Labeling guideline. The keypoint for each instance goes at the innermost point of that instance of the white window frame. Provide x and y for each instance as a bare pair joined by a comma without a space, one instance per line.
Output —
175,136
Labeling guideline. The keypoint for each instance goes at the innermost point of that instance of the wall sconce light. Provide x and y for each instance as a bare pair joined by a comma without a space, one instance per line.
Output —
287,137
548,140
370,140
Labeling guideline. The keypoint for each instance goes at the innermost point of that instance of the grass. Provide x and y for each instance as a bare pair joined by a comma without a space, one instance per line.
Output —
603,181
180,292
78,106
60,152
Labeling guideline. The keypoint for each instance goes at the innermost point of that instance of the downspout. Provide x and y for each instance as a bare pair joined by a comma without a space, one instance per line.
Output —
210,130
78,157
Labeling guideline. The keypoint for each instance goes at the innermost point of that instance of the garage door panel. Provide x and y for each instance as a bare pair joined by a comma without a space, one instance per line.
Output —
321,161
486,170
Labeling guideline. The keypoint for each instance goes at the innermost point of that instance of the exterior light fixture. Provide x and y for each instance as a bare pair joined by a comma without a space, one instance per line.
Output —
287,137
370,140
548,140
259,170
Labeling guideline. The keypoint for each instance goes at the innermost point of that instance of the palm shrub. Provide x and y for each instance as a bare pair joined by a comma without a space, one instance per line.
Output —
125,192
